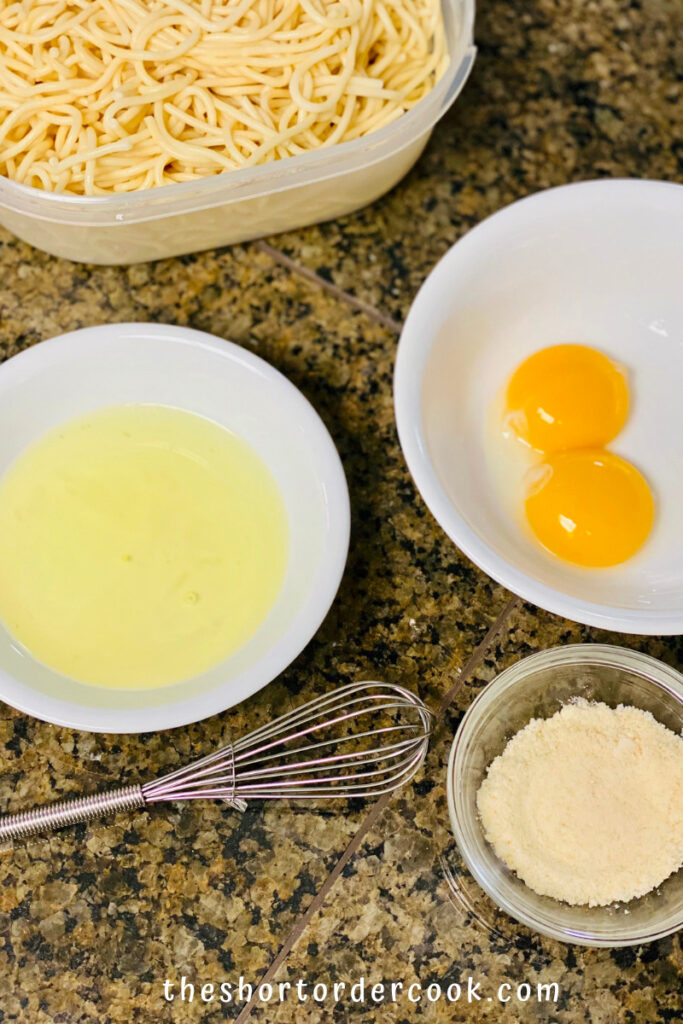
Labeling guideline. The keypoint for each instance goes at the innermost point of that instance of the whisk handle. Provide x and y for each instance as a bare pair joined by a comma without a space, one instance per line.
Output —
69,812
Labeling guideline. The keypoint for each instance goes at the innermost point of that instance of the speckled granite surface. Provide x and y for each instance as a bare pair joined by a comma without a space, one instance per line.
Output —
94,920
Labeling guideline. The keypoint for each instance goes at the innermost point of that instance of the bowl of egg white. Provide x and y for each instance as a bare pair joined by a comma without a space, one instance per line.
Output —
537,394
174,524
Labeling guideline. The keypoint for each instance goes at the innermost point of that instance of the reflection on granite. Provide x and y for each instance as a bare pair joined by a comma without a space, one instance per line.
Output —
93,920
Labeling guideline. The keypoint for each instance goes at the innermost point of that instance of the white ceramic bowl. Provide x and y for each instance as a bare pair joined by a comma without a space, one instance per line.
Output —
99,366
599,263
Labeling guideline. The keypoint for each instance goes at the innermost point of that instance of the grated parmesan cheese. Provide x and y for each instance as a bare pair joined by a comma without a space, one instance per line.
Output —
587,806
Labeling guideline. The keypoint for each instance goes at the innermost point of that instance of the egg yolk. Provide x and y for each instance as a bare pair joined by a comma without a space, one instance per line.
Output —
566,397
590,507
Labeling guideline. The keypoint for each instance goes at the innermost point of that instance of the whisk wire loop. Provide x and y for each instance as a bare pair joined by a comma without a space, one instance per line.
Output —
311,760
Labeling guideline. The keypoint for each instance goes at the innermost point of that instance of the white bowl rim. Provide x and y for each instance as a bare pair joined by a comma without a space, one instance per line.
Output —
326,584
669,679
410,364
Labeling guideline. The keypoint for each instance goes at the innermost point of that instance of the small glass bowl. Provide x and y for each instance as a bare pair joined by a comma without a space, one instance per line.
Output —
537,687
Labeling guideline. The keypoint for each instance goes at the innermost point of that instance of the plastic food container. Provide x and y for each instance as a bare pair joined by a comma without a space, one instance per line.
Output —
227,208
537,687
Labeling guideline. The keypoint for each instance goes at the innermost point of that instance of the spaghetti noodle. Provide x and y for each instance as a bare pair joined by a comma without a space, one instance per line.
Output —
105,96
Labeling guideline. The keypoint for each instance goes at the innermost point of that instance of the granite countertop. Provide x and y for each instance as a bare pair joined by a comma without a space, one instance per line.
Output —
95,919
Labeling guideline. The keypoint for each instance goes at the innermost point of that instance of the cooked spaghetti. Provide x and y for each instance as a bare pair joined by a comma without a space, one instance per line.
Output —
104,96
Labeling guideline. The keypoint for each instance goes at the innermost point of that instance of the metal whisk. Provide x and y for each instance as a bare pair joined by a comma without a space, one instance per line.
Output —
363,740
